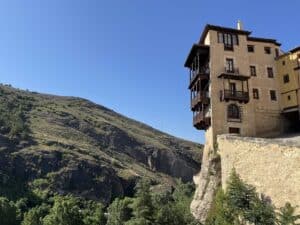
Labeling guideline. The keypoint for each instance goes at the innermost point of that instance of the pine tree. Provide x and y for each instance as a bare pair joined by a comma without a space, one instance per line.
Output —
64,212
286,215
143,209
35,215
119,211
8,212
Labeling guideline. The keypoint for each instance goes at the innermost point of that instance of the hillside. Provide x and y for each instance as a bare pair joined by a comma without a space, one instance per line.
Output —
71,145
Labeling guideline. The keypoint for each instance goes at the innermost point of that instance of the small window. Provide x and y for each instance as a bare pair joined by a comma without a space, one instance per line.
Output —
267,50
270,72
283,63
233,112
273,95
286,78
289,97
255,93
229,65
234,130
252,70
250,48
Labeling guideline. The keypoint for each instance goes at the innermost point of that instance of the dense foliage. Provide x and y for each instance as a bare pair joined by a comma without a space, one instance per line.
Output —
241,205
145,208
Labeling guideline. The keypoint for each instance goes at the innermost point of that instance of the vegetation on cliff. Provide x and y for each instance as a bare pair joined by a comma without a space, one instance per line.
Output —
145,208
69,145
240,204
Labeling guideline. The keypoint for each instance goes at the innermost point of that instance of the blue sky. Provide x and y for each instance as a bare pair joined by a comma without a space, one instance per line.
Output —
127,55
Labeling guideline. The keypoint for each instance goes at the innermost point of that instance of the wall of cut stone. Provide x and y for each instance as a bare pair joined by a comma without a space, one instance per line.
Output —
271,165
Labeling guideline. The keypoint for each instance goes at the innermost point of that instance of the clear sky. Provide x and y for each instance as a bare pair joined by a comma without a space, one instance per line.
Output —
127,55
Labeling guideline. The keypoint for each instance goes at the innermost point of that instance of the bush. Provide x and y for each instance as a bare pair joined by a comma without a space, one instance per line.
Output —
8,212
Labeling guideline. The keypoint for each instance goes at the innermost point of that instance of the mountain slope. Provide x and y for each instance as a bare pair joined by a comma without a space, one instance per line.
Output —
71,145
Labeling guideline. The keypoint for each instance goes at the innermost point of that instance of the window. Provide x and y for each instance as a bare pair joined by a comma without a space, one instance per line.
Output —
233,112
273,95
270,72
252,70
232,88
283,63
229,40
267,50
228,44
229,65
289,97
250,48
255,93
286,78
234,130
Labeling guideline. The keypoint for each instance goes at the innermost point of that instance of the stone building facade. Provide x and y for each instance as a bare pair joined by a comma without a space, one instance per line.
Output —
288,67
234,83
244,85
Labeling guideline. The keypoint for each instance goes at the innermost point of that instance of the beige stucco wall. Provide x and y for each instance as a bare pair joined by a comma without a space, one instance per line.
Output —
260,117
271,165
290,88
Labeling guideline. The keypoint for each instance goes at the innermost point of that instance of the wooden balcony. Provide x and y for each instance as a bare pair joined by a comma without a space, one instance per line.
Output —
201,97
233,74
199,74
201,122
241,96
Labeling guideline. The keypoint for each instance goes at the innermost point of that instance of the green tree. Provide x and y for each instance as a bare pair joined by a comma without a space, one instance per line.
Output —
286,215
240,204
240,196
261,213
221,213
143,209
35,215
65,211
94,214
8,212
119,211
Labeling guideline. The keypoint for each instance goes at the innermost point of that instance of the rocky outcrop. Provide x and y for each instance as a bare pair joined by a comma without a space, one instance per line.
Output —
207,182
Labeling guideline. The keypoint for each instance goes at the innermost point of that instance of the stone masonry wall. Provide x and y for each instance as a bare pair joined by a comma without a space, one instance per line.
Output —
271,165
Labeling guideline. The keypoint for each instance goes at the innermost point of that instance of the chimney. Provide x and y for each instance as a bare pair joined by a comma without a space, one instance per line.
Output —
239,25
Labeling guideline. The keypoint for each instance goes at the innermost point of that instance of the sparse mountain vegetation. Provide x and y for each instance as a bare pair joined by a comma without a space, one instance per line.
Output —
66,160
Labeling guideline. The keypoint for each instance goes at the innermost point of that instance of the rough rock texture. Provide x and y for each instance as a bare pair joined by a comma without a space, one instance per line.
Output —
207,183
271,165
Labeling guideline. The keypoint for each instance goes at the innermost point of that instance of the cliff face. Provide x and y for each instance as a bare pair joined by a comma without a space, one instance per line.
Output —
71,145
207,180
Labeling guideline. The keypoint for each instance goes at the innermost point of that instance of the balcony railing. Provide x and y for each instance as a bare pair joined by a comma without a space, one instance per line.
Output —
203,72
242,96
201,97
234,70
